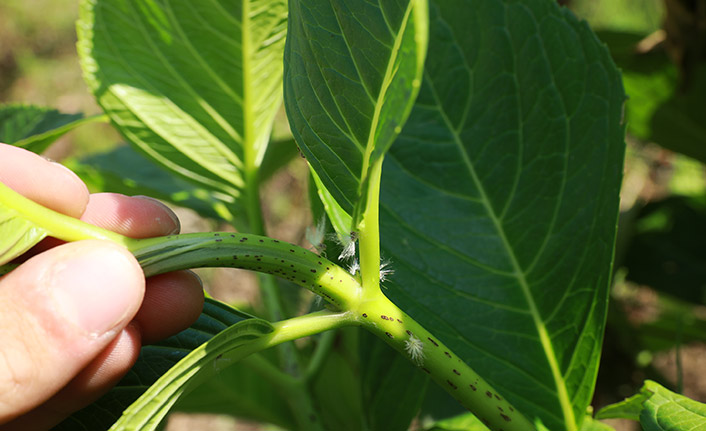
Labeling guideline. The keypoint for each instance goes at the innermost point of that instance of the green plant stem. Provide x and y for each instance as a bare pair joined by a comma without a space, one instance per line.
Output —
380,316
55,224
253,252
369,232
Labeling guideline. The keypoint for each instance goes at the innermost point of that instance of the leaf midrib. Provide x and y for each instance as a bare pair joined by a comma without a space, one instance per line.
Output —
390,70
544,339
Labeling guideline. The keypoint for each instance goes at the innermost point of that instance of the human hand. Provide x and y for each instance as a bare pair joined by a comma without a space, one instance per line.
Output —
73,317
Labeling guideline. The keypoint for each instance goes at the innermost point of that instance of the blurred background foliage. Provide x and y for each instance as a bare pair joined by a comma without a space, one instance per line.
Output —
657,319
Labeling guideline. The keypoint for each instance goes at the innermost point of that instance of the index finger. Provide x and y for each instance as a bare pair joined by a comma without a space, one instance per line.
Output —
47,183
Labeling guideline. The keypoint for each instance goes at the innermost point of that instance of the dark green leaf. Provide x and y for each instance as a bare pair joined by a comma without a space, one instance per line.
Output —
195,85
500,199
352,72
35,128
154,361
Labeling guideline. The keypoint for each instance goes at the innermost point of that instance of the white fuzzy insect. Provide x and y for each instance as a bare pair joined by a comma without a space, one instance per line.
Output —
316,235
385,270
348,243
415,349
354,267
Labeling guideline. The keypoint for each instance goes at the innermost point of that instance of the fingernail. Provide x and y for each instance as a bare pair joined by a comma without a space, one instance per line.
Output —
96,286
175,220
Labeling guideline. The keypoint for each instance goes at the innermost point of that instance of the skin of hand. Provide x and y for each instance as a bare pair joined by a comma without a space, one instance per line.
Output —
74,316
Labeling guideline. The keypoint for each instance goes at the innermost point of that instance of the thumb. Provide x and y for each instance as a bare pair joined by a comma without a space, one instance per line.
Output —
58,311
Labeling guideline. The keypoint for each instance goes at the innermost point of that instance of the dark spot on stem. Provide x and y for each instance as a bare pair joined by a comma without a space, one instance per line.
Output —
426,371
312,270
489,394
365,315
432,341
506,417
451,384
497,397
457,373
291,250
408,332
219,239
389,335
473,388
262,240
448,355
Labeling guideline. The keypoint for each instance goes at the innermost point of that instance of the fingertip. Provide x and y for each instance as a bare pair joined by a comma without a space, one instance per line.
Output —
136,217
48,183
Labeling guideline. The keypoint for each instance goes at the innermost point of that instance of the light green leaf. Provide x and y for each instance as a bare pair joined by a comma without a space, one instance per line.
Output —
154,361
500,198
666,411
464,422
35,128
17,234
629,408
659,409
590,424
195,85
353,70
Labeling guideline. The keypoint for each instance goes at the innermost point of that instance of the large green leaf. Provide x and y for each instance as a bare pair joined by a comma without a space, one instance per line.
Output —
195,85
352,71
35,128
500,199
154,361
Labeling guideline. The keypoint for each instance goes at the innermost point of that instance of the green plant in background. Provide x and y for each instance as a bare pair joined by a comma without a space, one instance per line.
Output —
476,146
